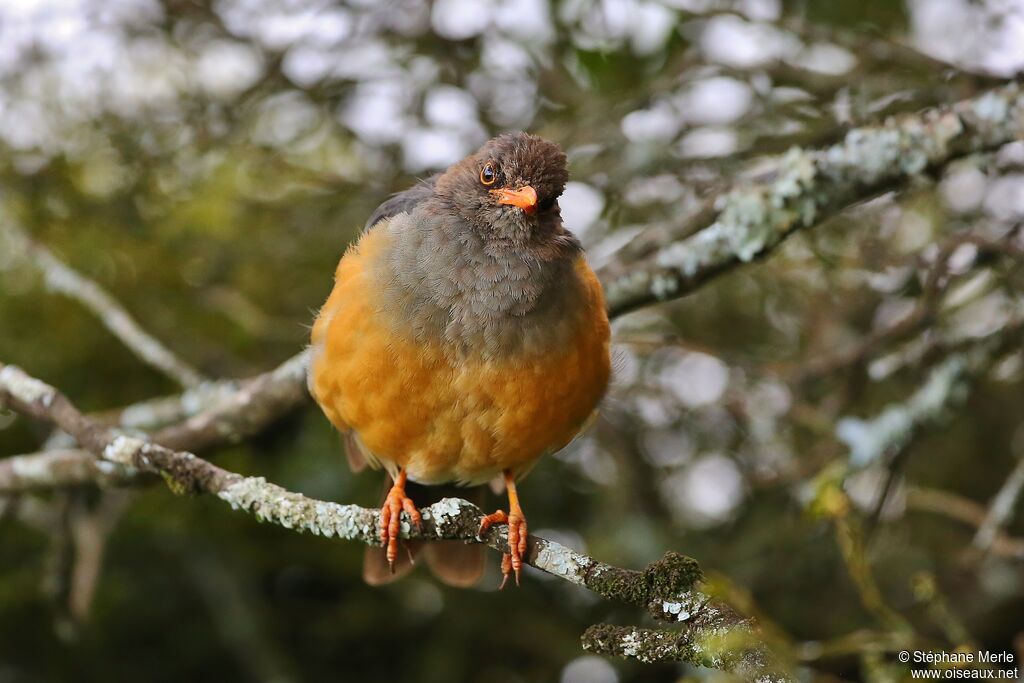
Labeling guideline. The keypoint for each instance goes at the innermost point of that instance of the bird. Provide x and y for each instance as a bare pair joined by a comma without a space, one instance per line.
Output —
465,338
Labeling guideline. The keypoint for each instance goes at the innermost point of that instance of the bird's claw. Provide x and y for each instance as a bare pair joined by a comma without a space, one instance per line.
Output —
512,561
391,520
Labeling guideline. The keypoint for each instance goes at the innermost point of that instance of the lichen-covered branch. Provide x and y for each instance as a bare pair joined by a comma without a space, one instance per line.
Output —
64,280
202,417
239,414
870,440
60,467
889,431
810,186
668,589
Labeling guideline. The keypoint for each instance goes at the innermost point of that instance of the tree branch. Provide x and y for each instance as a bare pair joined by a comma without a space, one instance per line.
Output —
808,187
963,510
926,309
1001,508
209,415
888,432
58,468
64,280
714,635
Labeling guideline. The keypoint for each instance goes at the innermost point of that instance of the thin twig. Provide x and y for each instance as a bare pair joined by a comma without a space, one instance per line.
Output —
1001,508
64,280
927,306
963,510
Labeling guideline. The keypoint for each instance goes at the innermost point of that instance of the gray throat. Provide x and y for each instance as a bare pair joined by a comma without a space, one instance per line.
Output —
481,298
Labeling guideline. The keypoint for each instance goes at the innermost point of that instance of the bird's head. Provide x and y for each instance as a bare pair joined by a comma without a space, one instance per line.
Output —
508,190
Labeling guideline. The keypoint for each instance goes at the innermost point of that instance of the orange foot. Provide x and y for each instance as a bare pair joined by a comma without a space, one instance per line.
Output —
512,561
391,518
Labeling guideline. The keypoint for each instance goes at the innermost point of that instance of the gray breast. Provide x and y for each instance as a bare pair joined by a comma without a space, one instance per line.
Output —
447,284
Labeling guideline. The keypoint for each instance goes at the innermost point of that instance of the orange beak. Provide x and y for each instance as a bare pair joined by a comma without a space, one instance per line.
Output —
525,198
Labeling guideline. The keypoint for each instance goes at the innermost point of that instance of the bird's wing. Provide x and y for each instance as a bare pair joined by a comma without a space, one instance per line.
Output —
402,201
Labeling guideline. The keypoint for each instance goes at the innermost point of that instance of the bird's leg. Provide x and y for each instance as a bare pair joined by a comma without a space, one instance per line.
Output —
391,517
512,561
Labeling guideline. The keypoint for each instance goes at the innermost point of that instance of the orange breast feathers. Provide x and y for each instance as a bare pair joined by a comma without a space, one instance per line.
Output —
449,414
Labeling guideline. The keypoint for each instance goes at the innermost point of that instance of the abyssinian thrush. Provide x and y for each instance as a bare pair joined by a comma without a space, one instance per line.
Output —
465,338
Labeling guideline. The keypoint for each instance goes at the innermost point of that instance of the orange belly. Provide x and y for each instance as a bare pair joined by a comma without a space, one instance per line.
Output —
448,416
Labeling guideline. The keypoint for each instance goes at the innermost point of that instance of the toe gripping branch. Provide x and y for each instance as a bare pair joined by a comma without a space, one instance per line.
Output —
391,518
518,532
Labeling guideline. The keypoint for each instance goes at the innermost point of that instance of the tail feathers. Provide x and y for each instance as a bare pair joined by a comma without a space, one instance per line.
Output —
376,570
452,562
456,563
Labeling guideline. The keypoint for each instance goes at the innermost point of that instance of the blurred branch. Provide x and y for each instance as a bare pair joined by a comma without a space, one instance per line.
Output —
889,432
927,306
893,428
64,280
1001,508
89,523
211,414
888,435
963,510
59,468
239,414
850,540
808,187
714,634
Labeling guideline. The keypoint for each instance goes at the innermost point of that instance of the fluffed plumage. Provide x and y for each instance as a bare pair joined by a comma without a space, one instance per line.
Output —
465,336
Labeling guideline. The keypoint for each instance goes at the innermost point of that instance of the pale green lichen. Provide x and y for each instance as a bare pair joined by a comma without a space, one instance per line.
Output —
991,107
753,219
868,156
872,153
59,466
25,388
630,645
869,440
443,511
561,561
664,285
271,503
675,610
123,449
750,220
30,467
293,369
684,606
115,469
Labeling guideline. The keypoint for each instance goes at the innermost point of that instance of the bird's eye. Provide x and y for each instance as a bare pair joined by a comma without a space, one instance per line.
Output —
546,204
488,175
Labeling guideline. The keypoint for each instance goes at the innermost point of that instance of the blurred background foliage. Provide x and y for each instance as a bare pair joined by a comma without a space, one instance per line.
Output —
208,163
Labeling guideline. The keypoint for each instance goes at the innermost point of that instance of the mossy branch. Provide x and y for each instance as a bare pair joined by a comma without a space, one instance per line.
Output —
808,187
668,588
